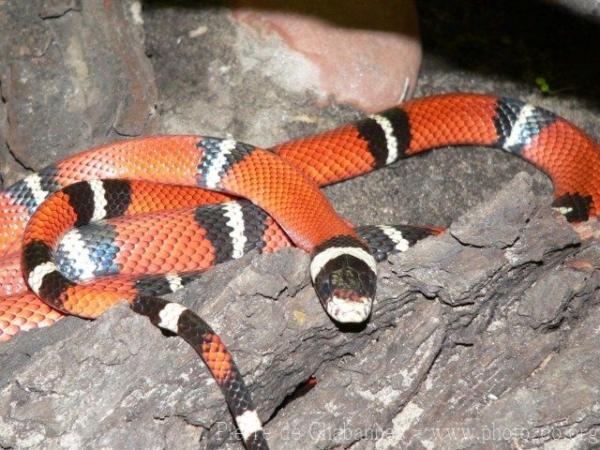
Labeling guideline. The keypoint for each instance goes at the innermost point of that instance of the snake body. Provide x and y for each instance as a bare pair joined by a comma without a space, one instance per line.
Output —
115,182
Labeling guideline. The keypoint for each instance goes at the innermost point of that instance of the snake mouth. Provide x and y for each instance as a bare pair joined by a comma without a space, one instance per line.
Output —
345,280
343,310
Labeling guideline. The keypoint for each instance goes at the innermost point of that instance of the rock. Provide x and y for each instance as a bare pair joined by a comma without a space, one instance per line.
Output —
344,47
455,330
5,161
587,8
227,86
60,98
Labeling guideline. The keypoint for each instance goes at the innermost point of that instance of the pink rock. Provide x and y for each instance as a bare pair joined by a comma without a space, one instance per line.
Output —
366,54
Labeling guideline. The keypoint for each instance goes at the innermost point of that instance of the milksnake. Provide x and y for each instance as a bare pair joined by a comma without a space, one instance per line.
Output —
115,182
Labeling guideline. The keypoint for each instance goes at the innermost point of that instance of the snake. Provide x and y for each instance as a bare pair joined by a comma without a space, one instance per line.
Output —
132,220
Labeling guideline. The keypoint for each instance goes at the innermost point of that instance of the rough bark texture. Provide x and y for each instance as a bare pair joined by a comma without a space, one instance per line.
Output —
485,337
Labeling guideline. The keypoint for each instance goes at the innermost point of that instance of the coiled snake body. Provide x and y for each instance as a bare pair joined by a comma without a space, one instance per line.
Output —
115,182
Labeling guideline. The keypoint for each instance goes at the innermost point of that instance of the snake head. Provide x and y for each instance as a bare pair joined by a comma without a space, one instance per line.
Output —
345,280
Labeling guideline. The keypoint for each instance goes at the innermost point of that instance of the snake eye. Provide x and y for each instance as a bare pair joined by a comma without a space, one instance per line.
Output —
323,288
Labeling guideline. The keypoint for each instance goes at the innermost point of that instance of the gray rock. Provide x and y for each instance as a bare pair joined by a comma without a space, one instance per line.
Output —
453,342
59,95
587,8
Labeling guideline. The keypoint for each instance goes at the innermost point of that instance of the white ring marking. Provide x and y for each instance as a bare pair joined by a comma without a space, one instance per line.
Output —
248,423
73,244
100,201
235,216
516,134
390,139
174,280
321,259
396,237
213,171
36,276
34,183
564,210
169,316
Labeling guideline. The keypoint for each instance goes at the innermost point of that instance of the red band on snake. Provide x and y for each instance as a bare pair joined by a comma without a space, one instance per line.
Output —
282,182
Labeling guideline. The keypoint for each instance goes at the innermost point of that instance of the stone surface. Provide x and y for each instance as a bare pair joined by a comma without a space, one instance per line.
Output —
485,337
59,96
461,338
343,46
587,8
